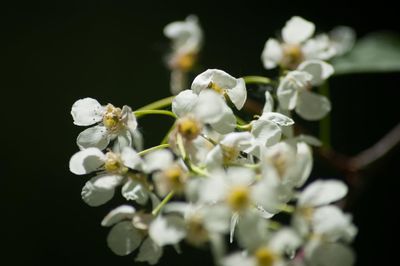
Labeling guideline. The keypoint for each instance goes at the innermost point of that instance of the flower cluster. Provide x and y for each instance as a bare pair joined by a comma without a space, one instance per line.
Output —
216,175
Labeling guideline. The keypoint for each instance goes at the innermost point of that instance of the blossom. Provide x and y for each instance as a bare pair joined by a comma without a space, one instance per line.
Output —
168,174
112,171
294,90
297,45
129,232
187,39
196,110
222,83
112,123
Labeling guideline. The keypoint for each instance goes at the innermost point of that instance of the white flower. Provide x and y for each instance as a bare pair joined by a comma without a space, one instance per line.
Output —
112,170
169,175
319,253
187,36
222,83
297,45
129,232
316,195
294,90
112,123
342,39
196,110
267,129
228,149
187,39
270,251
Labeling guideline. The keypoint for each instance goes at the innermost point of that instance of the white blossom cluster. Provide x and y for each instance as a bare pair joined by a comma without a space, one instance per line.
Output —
217,176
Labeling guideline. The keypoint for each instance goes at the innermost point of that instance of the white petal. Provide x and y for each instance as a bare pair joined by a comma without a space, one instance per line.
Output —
215,158
285,241
287,93
124,212
94,196
297,30
331,254
149,252
319,70
217,218
272,54
319,47
133,190
305,162
322,192
214,189
128,118
343,39
312,106
86,161
266,132
331,223
277,118
210,107
238,259
131,159
269,103
86,112
158,160
124,238
183,102
96,136
237,139
106,181
238,94
124,139
240,176
167,230
251,232
219,77
234,222
226,123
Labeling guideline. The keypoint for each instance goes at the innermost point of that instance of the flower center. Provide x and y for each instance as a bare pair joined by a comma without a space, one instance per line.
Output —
189,127
174,178
264,257
239,197
292,56
280,162
113,163
229,153
186,61
196,232
112,117
214,86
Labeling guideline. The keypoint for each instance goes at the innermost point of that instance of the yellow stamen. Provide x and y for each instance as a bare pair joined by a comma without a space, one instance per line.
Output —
239,197
112,117
189,127
265,257
292,56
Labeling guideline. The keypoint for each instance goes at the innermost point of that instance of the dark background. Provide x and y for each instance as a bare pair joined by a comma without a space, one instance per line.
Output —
59,51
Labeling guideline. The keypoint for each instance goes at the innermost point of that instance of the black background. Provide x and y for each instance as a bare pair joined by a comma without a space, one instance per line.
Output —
59,51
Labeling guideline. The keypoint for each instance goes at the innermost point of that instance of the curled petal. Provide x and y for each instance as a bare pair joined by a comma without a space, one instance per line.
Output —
96,136
123,212
86,161
312,106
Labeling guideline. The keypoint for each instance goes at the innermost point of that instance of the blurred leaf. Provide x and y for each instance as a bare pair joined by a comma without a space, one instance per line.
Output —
376,52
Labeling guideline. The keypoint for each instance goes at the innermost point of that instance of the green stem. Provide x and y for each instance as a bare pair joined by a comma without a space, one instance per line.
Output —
193,168
166,137
161,146
244,127
257,80
158,104
162,203
325,123
240,121
287,208
154,112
